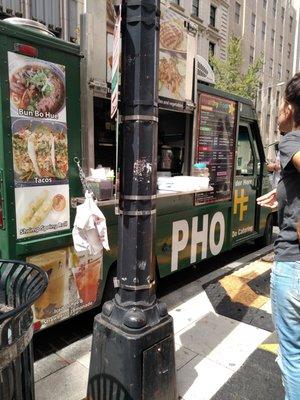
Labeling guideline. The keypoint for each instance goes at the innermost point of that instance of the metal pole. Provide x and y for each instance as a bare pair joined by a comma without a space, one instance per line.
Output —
136,272
27,9
87,111
64,19
133,340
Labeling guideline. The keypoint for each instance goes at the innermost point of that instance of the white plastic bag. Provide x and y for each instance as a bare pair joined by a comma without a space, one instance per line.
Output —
89,231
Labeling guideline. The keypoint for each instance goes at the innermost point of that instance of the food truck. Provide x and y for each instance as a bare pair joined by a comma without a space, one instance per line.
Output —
204,133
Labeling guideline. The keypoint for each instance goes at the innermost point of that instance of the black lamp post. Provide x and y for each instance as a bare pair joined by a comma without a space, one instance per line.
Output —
133,340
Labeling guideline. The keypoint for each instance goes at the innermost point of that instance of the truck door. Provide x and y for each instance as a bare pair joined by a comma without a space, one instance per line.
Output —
245,186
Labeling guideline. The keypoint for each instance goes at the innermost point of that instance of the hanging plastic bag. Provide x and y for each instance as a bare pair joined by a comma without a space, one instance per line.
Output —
89,232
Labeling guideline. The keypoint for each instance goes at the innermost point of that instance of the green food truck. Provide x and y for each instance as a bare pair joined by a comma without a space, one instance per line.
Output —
217,142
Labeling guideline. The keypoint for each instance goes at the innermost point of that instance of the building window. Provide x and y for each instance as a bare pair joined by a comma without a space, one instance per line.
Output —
279,72
253,18
282,13
263,31
269,95
212,18
195,7
251,56
272,37
271,66
211,48
265,4
289,50
280,43
237,12
287,74
274,7
291,23
277,98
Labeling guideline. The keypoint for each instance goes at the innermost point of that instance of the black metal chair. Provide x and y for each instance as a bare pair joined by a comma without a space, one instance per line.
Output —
20,285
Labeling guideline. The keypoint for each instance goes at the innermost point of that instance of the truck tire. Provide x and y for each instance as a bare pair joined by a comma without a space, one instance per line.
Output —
267,237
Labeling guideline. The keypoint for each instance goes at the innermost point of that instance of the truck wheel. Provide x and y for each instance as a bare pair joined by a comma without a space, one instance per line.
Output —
109,290
267,237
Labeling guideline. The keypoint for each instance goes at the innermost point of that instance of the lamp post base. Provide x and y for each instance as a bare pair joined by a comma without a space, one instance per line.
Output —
132,364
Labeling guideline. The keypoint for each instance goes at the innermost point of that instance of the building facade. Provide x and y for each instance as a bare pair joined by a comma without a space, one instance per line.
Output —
62,17
212,18
296,66
268,29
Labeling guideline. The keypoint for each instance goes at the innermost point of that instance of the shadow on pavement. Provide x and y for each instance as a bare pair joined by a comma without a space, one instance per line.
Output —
202,338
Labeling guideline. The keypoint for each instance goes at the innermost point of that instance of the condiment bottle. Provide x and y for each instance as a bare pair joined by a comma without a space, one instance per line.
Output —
200,169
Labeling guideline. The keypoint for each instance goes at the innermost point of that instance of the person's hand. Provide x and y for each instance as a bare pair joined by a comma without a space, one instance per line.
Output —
268,200
277,166
271,167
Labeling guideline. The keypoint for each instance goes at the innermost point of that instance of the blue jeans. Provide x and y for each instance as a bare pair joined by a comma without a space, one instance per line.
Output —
285,295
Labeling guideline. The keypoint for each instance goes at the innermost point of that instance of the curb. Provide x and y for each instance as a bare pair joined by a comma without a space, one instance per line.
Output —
250,257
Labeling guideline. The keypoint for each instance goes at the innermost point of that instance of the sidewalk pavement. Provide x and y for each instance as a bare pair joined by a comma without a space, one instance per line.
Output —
217,358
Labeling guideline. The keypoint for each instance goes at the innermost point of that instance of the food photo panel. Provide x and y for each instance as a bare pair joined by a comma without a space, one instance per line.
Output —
37,88
172,56
173,33
41,210
172,69
55,297
40,151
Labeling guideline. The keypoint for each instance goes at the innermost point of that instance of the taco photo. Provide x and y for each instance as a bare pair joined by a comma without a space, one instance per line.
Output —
40,150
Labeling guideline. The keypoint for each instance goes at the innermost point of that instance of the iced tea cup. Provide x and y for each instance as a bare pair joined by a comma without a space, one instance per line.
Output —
87,278
55,265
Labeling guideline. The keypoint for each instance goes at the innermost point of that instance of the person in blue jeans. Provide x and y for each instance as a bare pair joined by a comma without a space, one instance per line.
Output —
285,276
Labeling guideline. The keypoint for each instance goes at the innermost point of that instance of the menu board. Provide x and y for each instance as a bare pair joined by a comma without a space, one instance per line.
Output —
215,145
40,145
74,284
172,59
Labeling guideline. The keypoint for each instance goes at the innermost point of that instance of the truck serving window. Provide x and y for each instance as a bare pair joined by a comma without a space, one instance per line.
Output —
245,158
